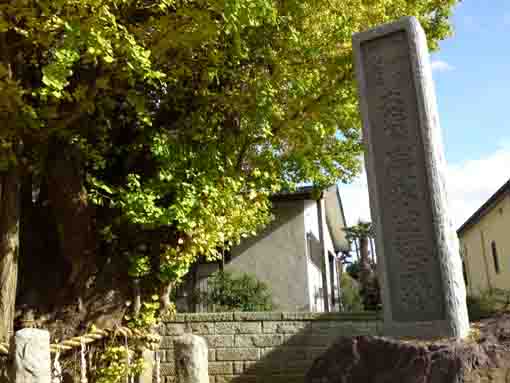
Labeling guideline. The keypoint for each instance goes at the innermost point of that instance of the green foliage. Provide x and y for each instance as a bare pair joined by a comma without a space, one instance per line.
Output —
363,269
148,317
113,366
353,269
351,296
139,265
229,292
370,292
360,230
488,304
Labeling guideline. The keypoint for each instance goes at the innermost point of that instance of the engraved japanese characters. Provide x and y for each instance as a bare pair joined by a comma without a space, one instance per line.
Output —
418,254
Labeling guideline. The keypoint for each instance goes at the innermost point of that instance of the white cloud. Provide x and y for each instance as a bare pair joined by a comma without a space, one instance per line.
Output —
355,200
441,66
470,183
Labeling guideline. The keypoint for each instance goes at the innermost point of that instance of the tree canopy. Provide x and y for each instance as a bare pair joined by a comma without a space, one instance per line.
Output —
179,118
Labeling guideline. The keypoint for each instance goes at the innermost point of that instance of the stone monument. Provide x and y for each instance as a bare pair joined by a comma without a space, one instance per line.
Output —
191,359
419,263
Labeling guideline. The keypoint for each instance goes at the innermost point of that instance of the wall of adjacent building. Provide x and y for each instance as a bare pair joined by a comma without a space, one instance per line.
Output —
314,257
317,256
274,347
277,256
476,249
288,256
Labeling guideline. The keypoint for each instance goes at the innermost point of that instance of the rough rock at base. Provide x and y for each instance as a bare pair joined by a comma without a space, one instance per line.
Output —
367,359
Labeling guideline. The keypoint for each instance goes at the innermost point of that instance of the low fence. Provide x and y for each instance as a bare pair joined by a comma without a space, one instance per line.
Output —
267,347
28,357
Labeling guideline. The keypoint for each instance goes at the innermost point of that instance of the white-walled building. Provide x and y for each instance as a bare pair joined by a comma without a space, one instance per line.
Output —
296,255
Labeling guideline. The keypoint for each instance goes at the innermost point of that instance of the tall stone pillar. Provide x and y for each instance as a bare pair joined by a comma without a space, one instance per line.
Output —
417,247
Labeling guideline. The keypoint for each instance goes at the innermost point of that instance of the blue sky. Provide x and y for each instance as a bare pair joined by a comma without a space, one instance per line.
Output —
473,87
472,79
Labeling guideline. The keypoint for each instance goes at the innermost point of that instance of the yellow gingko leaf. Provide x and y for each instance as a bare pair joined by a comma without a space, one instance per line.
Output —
4,25
102,82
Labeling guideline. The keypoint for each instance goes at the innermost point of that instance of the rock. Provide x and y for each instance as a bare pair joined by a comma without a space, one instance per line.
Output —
381,360
191,359
32,362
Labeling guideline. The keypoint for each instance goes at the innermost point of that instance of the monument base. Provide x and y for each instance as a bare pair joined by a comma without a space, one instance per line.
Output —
422,330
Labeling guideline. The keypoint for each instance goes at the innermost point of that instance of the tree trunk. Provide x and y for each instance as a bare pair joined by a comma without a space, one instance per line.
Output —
364,263
9,245
74,217
164,296
372,250
357,248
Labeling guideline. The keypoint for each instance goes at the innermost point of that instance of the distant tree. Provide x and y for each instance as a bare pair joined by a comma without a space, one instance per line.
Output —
353,269
351,295
361,233
363,268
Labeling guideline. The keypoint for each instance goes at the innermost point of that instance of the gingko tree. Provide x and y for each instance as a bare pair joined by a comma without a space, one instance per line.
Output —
137,135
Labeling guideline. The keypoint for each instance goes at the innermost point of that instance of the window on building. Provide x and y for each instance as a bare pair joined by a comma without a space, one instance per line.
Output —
495,256
332,274
464,269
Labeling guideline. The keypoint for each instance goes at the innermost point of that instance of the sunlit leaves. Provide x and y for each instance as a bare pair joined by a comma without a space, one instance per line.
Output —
56,74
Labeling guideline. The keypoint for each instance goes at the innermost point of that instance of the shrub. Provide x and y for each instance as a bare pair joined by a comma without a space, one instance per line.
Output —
370,293
243,292
488,304
353,269
350,294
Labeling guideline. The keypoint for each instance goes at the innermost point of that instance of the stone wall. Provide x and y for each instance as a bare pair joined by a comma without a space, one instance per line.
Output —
267,347
4,369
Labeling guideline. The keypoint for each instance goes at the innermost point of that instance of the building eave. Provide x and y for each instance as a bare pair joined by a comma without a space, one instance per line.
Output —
335,219
485,208
302,193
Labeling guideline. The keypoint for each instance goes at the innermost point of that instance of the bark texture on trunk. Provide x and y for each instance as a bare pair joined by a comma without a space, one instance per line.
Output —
9,245
74,217
164,296
365,269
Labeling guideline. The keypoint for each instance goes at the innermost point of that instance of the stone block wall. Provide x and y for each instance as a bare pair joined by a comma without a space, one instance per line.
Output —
4,369
267,347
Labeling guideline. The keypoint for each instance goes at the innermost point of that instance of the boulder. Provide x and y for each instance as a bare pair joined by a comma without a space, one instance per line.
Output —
481,358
